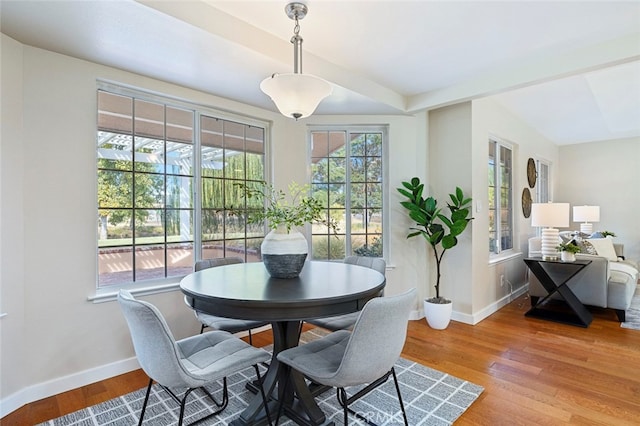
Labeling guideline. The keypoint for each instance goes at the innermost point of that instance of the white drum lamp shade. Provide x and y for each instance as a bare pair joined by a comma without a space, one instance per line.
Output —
586,214
549,216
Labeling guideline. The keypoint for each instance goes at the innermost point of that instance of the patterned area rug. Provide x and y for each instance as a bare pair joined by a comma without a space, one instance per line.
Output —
430,397
632,316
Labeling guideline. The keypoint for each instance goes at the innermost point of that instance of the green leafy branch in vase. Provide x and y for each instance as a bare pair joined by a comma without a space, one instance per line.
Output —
287,209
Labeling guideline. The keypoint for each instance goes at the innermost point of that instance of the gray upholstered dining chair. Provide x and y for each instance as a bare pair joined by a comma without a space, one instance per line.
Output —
346,321
232,325
190,363
364,356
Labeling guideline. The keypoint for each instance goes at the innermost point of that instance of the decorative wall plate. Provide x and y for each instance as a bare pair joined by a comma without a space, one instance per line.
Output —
526,202
531,173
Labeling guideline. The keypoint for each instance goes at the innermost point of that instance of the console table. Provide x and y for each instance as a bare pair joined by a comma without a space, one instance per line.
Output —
554,275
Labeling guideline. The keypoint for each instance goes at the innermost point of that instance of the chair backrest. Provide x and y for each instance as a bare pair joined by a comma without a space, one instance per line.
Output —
212,263
377,339
376,263
153,341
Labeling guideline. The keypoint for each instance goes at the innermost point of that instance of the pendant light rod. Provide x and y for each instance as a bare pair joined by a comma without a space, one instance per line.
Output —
296,11
296,95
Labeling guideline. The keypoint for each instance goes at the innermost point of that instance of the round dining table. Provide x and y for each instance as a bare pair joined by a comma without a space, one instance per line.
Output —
247,291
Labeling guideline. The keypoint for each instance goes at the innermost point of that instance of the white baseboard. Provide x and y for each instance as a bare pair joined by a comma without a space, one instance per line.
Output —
66,383
492,308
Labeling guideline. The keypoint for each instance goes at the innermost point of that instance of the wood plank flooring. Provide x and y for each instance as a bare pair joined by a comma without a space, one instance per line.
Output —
534,372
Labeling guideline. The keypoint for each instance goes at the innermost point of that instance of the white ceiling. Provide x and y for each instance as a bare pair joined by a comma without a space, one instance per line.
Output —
571,69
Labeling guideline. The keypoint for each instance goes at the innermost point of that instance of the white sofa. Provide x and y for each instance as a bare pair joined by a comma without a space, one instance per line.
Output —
607,282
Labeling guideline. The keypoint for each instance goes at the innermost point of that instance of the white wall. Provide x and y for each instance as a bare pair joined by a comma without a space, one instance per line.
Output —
489,118
450,165
53,338
12,299
605,174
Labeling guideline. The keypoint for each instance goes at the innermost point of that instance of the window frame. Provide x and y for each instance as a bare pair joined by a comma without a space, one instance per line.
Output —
383,130
168,283
499,251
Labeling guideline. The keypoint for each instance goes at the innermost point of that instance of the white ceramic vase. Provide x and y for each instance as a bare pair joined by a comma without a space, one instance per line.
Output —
438,315
567,256
284,253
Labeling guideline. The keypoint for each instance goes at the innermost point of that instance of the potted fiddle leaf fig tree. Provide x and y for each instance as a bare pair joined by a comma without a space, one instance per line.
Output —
440,228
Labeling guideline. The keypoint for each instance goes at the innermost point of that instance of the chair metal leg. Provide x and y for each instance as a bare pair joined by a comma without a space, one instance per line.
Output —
182,405
183,401
342,395
225,397
146,399
264,396
404,413
202,328
250,340
344,400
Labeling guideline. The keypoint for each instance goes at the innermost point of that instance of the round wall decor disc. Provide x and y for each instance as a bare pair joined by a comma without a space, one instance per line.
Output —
526,202
531,172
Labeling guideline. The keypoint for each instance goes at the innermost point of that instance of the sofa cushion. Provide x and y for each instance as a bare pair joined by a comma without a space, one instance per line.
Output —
629,262
604,248
620,290
624,267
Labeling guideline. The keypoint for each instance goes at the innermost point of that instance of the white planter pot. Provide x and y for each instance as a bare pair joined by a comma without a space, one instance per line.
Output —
567,256
438,315
284,253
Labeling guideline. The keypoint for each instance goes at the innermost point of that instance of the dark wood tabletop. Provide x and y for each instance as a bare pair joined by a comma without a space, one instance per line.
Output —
246,291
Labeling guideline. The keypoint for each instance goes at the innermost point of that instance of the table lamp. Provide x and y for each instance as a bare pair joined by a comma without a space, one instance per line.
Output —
550,215
586,214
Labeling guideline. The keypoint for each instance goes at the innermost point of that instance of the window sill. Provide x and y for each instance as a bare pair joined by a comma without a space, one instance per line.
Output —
111,293
503,257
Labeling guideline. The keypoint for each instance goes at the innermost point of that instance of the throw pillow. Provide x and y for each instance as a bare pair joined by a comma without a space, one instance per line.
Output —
586,247
566,237
604,248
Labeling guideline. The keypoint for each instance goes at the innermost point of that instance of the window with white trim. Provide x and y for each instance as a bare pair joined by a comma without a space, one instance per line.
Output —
500,197
166,186
348,175
542,181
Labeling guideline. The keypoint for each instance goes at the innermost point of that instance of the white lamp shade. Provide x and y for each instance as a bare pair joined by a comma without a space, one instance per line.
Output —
586,213
550,214
296,95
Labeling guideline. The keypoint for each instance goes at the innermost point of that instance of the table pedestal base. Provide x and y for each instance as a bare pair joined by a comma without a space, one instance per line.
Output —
281,384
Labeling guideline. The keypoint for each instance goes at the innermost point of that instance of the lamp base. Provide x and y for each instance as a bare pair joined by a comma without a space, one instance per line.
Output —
586,228
550,240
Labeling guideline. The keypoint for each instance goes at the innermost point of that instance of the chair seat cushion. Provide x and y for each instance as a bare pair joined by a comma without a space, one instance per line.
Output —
216,354
319,359
231,325
339,322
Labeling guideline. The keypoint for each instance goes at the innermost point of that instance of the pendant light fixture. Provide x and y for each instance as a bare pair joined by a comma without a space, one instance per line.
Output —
295,94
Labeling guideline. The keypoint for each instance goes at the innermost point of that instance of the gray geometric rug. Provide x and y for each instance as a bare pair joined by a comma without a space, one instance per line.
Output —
632,316
430,397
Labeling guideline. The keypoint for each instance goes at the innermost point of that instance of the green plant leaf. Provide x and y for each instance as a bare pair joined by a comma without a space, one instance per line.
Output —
449,241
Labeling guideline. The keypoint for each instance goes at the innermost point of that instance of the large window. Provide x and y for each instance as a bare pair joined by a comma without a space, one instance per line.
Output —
166,193
500,197
347,174
542,182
